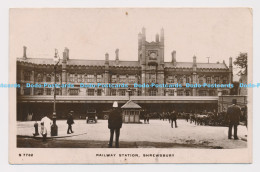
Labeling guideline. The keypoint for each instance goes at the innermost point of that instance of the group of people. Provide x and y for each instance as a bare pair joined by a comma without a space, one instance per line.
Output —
146,115
46,126
171,116
231,118
115,122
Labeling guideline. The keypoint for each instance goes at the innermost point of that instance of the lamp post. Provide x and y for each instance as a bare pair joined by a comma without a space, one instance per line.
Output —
54,127
129,90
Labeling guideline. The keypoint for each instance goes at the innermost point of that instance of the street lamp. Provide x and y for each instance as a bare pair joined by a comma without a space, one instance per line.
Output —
54,127
129,90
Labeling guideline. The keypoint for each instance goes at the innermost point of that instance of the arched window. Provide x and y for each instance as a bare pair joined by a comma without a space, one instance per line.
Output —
48,78
39,78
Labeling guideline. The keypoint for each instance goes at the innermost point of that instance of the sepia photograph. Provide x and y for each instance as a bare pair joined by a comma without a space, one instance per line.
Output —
130,85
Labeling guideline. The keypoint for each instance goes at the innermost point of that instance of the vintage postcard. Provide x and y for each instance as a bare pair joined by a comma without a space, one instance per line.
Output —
130,85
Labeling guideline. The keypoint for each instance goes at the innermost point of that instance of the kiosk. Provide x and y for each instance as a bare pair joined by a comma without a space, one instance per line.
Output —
131,112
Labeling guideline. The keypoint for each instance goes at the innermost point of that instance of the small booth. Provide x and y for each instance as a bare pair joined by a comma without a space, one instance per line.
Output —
131,112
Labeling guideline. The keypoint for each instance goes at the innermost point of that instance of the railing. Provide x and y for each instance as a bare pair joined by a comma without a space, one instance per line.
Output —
120,99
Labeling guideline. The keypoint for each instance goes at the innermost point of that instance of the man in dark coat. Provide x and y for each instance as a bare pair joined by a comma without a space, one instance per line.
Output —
70,121
114,124
36,129
233,115
147,117
173,117
143,114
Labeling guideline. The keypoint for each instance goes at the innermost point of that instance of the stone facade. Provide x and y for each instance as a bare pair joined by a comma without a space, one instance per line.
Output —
150,68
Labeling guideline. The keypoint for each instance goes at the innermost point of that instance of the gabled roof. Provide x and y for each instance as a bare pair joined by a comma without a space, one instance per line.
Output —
37,60
199,65
81,62
124,63
131,105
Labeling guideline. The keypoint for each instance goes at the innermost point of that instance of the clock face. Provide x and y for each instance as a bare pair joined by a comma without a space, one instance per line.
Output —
152,55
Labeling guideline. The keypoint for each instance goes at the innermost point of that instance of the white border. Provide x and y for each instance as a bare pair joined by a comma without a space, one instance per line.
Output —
4,19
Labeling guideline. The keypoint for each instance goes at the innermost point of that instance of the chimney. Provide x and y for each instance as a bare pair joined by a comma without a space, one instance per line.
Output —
24,52
117,56
106,58
139,41
67,52
162,36
194,61
64,57
143,35
224,62
230,62
157,37
173,57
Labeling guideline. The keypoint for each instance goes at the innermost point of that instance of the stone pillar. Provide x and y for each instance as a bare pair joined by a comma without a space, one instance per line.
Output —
64,81
107,75
95,91
194,75
44,80
22,74
160,81
127,78
166,92
143,80
106,81
135,92
175,92
22,89
32,81
136,79
103,92
184,80
117,78
219,92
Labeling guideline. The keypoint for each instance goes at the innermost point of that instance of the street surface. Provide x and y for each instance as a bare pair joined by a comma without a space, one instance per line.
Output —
157,134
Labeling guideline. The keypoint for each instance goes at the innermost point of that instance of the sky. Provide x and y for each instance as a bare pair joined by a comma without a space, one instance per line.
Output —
218,33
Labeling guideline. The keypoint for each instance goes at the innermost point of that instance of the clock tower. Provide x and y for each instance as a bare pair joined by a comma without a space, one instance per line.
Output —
151,59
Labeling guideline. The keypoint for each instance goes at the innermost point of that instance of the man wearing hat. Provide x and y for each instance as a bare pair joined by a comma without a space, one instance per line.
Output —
173,117
70,121
233,115
114,124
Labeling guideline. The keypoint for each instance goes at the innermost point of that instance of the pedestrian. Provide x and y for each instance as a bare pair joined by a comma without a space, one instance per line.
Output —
47,123
36,129
187,116
43,132
143,114
233,115
70,122
114,124
174,115
147,117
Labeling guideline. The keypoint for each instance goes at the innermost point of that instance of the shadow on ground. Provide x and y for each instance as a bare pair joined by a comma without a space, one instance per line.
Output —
23,142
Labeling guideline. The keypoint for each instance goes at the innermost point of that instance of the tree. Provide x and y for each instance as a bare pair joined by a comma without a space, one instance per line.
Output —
241,62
